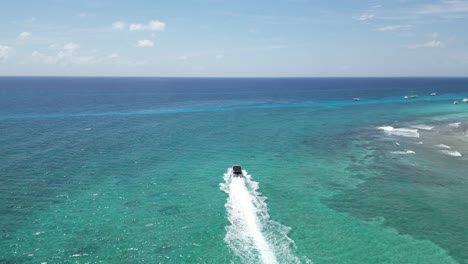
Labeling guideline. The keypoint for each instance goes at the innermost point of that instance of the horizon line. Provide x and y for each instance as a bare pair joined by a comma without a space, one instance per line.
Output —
231,77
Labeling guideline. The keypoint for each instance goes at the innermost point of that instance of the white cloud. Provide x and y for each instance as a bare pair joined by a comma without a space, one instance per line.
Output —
445,7
114,56
53,46
82,60
24,35
66,55
430,44
71,47
364,17
153,25
182,58
38,57
119,25
145,43
6,52
435,35
219,56
156,25
394,27
37,54
136,27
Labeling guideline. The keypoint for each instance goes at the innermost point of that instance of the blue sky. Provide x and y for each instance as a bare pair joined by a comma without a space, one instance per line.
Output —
237,38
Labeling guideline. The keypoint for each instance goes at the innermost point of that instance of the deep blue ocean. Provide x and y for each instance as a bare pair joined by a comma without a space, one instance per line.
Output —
136,170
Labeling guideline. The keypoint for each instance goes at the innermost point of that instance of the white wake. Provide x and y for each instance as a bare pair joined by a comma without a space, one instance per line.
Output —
252,236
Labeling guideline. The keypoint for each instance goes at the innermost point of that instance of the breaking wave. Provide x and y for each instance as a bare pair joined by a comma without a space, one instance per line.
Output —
252,235
443,146
403,132
403,152
455,125
452,153
423,127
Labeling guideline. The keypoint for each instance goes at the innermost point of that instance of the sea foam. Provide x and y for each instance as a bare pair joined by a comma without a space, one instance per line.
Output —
403,152
443,146
453,153
423,127
402,132
252,236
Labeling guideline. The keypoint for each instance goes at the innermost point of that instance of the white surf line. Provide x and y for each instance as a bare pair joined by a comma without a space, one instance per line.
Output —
403,152
242,214
423,127
402,132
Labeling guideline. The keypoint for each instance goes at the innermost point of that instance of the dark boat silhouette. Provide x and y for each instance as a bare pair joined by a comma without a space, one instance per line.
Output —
237,171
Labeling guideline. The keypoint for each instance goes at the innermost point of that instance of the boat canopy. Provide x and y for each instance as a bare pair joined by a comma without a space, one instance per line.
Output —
236,169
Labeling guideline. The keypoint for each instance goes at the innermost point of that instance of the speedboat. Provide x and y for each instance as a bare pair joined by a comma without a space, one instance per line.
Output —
465,100
410,96
455,102
356,99
433,94
237,171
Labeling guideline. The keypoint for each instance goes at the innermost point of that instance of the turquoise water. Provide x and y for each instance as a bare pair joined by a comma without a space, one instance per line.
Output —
133,171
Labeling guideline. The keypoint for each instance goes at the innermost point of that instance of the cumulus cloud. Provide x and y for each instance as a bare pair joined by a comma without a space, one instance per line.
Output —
430,44
394,27
119,25
114,56
38,57
364,17
71,47
220,56
24,35
66,55
156,25
136,27
145,43
6,52
153,25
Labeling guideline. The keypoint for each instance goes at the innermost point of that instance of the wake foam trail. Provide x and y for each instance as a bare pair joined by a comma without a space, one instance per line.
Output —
252,236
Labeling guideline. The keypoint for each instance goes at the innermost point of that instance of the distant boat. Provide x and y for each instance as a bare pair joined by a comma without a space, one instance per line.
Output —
433,94
412,95
455,102
465,100
356,99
